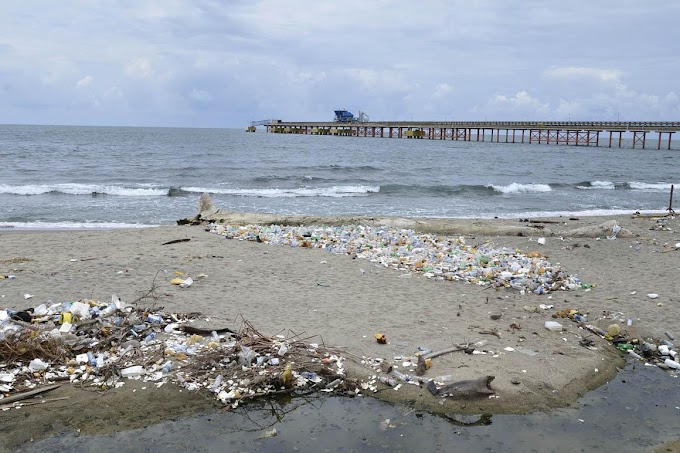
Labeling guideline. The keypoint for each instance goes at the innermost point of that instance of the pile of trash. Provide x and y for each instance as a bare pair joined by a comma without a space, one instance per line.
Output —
439,258
100,345
661,353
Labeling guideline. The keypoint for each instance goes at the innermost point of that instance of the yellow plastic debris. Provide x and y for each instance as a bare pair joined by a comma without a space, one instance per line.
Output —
287,376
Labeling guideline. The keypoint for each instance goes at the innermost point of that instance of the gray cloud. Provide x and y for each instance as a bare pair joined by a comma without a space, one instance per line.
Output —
211,63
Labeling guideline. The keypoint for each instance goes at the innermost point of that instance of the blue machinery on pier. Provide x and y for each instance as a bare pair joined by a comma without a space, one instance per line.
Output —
580,133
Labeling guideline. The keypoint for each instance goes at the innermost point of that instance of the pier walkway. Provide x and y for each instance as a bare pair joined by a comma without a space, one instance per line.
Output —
579,133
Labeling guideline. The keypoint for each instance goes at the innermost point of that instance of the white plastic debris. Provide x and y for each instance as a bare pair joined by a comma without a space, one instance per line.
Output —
553,325
615,230
37,365
80,309
7,378
186,282
132,371
541,241
652,296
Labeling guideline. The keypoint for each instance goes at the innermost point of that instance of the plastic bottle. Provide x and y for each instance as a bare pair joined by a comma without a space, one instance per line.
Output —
150,337
216,385
635,355
388,381
334,383
401,376
672,364
167,366
154,319
107,311
667,343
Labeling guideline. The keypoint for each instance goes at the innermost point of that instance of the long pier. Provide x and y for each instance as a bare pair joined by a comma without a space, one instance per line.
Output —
578,133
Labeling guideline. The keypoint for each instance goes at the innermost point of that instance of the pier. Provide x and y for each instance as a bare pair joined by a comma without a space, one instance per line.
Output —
577,133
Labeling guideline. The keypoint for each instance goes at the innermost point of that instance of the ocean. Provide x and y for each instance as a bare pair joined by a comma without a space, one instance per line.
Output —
108,177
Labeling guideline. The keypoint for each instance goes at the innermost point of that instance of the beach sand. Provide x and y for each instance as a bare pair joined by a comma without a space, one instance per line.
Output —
345,301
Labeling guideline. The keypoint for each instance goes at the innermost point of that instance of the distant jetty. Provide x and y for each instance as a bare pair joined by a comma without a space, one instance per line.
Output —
577,133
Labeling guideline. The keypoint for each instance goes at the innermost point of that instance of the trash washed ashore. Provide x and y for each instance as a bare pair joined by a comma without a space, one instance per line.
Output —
504,351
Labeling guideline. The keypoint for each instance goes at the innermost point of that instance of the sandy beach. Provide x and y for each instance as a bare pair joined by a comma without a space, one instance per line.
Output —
345,301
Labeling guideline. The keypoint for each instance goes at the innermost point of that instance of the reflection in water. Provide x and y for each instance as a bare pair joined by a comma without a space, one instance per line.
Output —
636,412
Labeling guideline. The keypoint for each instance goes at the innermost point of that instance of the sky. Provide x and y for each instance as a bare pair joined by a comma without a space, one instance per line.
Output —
212,63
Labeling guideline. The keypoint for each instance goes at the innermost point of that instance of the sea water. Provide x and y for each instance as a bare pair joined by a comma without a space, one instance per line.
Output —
103,177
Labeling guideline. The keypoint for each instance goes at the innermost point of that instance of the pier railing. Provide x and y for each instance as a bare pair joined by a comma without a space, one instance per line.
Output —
583,133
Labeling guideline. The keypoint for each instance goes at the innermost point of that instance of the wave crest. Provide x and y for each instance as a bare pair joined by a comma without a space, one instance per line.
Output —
521,188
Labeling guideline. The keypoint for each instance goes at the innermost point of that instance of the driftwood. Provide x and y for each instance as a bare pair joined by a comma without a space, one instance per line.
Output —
463,389
29,394
422,365
176,241
198,331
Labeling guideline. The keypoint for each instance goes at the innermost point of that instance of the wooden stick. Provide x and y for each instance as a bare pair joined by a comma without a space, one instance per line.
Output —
30,393
45,400
670,203
444,351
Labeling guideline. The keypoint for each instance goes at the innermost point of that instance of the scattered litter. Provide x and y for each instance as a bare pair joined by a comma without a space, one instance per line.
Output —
661,353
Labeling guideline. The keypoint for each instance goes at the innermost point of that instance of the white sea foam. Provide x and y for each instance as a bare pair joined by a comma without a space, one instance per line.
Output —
646,187
82,189
70,225
599,185
521,188
567,214
334,191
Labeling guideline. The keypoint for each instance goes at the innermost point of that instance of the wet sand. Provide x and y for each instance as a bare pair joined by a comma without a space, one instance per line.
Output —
285,290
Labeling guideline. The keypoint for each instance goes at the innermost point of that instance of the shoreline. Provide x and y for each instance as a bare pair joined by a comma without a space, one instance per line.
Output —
94,226
344,300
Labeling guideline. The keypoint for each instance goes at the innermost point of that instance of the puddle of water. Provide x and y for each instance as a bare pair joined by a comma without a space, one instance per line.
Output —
637,411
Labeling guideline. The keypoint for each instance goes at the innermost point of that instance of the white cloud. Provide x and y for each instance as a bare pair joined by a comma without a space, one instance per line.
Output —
442,90
521,102
304,77
85,81
200,95
139,68
604,75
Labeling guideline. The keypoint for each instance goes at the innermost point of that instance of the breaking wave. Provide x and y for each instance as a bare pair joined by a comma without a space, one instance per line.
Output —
334,191
521,188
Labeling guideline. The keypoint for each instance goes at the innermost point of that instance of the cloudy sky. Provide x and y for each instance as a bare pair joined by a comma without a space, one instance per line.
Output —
223,63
